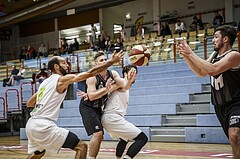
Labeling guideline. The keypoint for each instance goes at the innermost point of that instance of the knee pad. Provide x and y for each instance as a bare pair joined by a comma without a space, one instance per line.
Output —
142,136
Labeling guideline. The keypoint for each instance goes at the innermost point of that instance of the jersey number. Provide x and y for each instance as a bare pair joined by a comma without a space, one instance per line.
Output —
217,83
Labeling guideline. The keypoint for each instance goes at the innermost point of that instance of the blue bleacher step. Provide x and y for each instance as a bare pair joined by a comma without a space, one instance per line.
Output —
157,99
207,120
156,67
70,121
132,110
71,103
206,88
200,97
169,74
146,120
69,112
168,134
163,67
213,135
162,81
167,89
179,120
195,108
151,109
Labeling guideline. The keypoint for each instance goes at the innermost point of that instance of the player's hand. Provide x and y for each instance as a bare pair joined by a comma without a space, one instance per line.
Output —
116,57
82,94
109,84
131,75
184,48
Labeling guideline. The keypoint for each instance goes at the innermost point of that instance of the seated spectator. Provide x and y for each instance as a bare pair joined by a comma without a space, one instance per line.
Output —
165,30
31,53
41,75
108,43
118,45
218,20
42,50
101,43
74,46
21,75
13,72
197,24
23,53
180,27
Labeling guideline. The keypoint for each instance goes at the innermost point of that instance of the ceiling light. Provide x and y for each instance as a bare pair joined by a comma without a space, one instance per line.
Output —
72,37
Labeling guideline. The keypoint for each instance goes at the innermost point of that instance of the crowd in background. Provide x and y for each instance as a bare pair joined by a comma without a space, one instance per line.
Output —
105,43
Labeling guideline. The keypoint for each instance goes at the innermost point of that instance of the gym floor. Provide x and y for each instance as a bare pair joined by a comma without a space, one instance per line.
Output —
14,148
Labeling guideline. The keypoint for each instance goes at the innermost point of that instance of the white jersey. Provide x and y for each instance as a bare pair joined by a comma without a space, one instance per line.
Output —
48,99
113,117
117,103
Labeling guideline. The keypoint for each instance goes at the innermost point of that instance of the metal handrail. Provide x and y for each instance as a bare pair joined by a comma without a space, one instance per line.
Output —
21,89
4,108
6,98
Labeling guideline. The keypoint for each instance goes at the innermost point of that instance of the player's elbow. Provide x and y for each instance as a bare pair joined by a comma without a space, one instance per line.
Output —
212,72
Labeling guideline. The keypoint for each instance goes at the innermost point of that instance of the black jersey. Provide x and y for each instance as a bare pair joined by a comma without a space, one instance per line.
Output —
98,103
225,86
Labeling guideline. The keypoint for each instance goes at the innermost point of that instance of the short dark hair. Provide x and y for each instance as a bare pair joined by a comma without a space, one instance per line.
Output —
229,31
98,54
127,68
54,60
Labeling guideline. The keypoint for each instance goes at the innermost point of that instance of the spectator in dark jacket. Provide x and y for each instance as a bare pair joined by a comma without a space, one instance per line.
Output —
13,72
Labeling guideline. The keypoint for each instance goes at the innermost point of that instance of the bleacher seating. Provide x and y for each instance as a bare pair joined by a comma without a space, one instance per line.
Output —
168,101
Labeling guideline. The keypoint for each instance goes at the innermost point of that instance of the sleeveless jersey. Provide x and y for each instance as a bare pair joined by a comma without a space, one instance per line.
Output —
98,103
225,86
48,99
117,103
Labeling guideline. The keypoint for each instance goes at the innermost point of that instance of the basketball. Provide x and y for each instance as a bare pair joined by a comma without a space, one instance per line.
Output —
139,55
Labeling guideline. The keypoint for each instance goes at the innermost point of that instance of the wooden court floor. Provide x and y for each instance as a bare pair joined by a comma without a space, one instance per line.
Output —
14,148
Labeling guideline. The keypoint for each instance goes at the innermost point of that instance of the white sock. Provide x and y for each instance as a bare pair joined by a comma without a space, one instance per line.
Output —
127,157
91,157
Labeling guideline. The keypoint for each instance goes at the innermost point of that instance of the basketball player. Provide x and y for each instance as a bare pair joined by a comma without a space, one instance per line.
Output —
115,124
43,134
113,116
223,66
97,88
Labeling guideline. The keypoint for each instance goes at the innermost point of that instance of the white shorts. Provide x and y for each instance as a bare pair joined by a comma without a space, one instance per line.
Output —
44,134
118,127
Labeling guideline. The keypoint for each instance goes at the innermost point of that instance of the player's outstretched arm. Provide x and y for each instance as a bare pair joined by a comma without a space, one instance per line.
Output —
68,79
231,60
186,51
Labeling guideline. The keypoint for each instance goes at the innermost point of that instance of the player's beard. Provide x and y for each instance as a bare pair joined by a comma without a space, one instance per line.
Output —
63,71
220,45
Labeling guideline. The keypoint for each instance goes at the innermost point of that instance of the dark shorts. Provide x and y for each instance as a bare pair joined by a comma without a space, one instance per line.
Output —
17,77
229,116
91,118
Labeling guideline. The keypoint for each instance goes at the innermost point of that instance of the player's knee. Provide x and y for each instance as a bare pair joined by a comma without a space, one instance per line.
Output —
81,146
233,137
98,135
142,137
